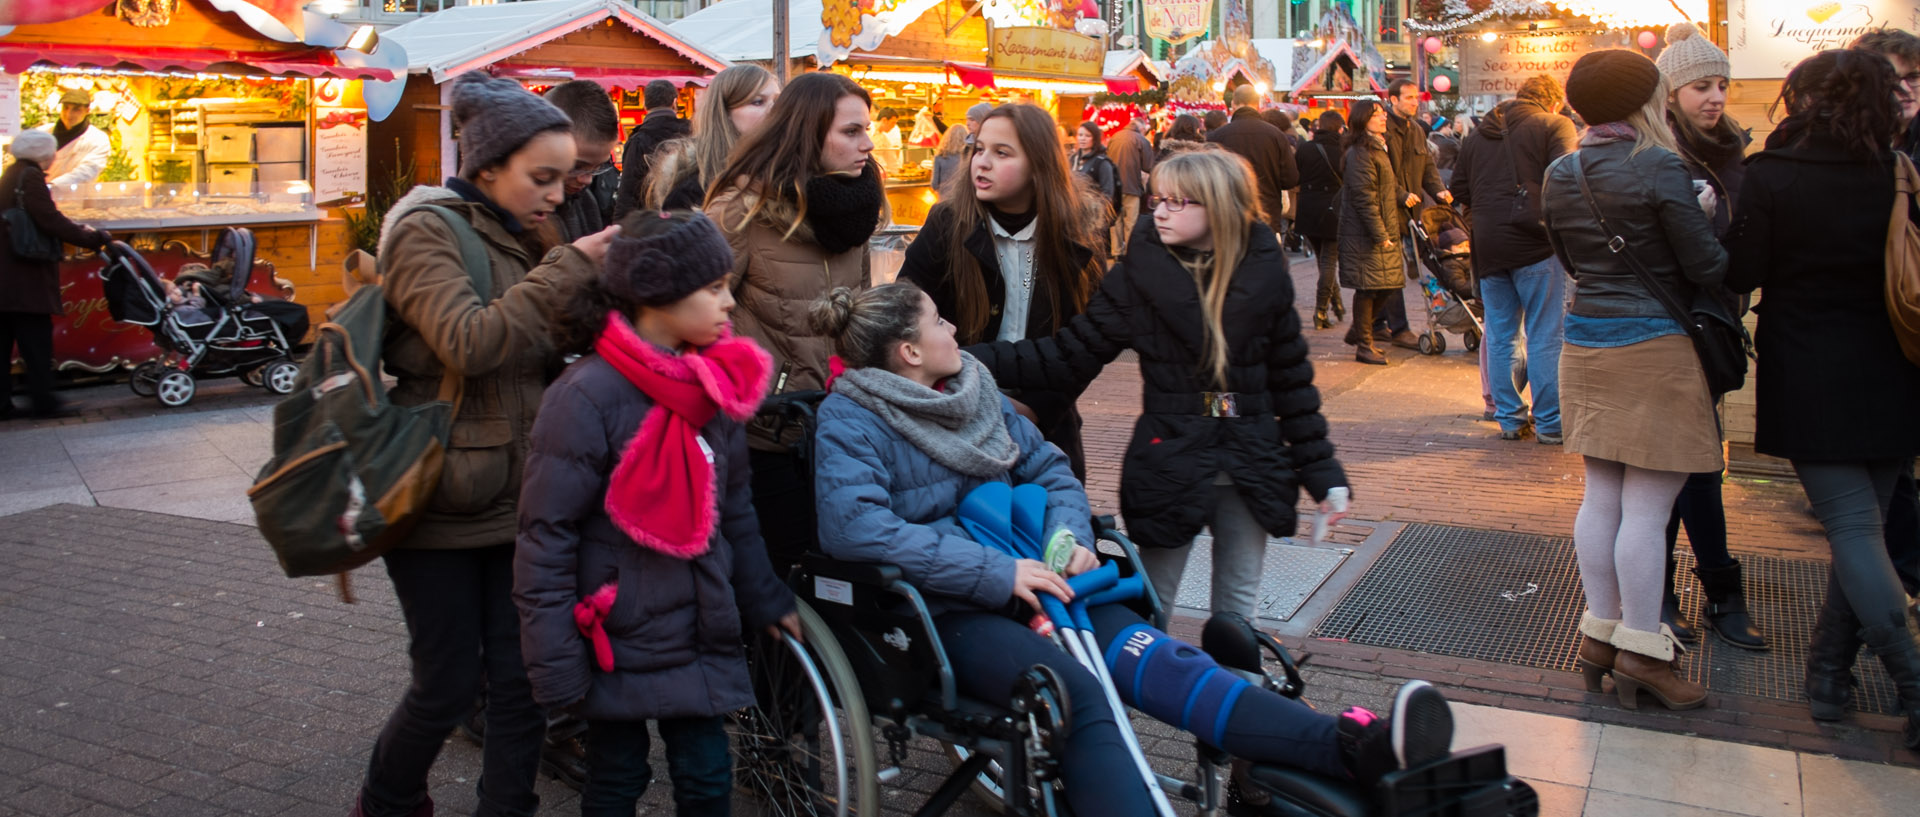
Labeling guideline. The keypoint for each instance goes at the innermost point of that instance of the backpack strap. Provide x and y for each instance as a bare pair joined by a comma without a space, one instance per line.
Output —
473,256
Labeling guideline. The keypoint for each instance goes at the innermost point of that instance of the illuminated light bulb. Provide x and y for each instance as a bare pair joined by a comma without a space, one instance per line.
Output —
1489,37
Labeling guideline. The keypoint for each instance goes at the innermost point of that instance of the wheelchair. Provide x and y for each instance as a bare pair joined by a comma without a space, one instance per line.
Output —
838,707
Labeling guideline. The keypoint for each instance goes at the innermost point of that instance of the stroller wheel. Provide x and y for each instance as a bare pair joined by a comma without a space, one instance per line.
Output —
1439,343
1426,344
175,389
252,376
280,376
146,378
1472,341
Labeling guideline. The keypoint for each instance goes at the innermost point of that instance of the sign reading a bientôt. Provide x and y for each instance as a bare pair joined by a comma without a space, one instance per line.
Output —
1046,50
1501,66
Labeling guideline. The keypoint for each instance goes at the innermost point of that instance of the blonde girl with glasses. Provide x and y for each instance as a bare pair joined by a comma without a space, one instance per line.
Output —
1231,429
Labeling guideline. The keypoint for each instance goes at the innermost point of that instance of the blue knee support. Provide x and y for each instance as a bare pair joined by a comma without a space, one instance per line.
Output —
1173,681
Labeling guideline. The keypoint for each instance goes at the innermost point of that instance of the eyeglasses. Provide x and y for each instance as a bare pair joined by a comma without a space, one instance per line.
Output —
1911,80
599,170
1174,203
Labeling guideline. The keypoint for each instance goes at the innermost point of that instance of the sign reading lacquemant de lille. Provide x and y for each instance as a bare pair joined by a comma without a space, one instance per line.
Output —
1046,50
1177,21
1499,67
1768,37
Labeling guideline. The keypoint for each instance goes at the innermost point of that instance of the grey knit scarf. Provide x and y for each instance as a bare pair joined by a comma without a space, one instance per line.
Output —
960,426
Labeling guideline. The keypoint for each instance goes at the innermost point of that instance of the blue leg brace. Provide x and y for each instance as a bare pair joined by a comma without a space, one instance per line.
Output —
1173,681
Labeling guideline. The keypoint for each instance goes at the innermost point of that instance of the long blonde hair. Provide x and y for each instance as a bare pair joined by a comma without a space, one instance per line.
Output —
713,131
1650,122
1222,183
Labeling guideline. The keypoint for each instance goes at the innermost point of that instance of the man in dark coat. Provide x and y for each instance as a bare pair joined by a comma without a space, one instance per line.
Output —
1264,147
1522,285
593,182
1414,173
658,128
30,287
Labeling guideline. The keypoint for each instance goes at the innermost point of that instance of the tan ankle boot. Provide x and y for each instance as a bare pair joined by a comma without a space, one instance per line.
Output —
1646,661
1596,648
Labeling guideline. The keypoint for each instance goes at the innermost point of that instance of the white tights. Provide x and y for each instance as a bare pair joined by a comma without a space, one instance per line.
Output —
1620,537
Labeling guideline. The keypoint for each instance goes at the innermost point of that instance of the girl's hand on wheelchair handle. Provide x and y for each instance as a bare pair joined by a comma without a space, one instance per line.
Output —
789,623
1083,560
1031,576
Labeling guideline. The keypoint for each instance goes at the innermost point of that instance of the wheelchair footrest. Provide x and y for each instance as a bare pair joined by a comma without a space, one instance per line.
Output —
1470,783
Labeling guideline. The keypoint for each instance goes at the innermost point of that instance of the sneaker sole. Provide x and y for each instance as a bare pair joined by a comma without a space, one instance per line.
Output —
1422,725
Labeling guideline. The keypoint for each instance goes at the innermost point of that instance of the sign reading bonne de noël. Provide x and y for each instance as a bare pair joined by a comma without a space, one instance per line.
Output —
1177,21
1499,67
1046,51
1766,38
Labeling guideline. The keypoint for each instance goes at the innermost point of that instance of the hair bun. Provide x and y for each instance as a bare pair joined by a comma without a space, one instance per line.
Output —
1680,31
831,313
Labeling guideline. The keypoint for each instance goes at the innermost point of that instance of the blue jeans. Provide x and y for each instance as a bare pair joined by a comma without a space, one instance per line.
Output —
1532,299
699,760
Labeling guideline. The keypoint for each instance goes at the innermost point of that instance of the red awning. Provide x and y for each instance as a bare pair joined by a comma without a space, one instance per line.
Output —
978,76
1123,86
312,62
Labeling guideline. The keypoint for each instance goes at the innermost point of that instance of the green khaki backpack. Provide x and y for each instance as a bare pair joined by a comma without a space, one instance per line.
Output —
351,471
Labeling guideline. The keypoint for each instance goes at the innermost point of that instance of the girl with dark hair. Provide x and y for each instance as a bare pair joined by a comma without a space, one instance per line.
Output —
733,106
915,425
797,200
636,488
1089,159
1714,147
1317,218
1185,128
453,573
1836,396
1372,219
1010,253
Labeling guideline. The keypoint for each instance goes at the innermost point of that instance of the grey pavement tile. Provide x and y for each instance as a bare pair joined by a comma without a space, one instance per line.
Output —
1612,804
1847,788
1558,799
1542,747
211,498
44,800
1691,771
14,502
112,473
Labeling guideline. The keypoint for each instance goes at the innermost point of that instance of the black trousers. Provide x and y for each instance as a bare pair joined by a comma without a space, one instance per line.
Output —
783,499
464,630
33,332
1903,530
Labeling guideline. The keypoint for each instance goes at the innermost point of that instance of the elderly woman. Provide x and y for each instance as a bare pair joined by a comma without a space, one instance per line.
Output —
30,287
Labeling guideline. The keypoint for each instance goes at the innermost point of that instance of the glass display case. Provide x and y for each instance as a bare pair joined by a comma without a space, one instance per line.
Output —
151,206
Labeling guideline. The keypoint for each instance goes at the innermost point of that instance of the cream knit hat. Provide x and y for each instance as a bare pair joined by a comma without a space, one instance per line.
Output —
1691,57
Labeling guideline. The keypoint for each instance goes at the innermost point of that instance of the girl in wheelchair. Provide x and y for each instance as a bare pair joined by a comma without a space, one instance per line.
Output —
639,564
911,428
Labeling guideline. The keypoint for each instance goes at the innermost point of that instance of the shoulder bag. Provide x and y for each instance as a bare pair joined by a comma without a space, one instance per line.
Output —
1711,320
1903,260
30,243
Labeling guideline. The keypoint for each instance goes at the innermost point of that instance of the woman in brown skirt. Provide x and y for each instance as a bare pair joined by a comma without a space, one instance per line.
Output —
1634,400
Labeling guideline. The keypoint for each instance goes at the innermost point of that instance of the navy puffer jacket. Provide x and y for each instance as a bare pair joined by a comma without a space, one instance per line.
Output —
676,625
882,499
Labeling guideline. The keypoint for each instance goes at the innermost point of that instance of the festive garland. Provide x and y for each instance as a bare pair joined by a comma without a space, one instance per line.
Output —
1156,95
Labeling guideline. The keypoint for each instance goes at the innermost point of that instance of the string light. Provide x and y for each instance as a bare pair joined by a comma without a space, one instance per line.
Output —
1632,13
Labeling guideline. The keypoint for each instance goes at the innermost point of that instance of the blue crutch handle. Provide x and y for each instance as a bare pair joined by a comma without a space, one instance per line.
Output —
1127,589
1056,610
1094,581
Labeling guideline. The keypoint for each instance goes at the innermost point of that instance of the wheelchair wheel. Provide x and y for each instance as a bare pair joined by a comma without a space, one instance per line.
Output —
989,785
807,747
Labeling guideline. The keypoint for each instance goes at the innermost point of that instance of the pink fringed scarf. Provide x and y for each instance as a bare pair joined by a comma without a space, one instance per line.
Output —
662,490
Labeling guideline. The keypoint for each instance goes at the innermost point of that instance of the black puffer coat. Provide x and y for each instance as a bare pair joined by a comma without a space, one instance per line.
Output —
1371,211
1150,303
676,624
1833,384
1321,162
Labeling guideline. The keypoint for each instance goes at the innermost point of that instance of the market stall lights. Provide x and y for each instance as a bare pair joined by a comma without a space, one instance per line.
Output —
331,8
1635,13
1489,37
115,72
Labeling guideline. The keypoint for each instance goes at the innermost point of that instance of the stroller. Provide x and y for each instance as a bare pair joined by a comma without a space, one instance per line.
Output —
220,332
1453,302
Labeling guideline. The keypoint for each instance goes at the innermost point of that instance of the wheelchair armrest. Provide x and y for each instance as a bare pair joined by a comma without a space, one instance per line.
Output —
1158,609
876,574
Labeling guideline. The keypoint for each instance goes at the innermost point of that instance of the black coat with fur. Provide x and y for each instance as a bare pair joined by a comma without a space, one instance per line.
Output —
1151,304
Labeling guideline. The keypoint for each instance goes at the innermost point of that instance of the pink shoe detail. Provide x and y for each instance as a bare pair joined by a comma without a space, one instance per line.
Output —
1360,716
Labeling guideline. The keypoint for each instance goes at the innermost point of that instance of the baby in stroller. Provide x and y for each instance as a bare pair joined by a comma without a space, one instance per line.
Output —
1451,250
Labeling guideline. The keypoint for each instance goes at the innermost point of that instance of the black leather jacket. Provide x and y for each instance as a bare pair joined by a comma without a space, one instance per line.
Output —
1648,200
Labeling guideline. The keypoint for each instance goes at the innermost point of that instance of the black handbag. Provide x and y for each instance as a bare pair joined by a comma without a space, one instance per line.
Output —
29,241
1712,320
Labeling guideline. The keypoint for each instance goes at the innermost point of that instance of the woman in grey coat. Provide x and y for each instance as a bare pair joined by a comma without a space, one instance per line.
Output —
1371,263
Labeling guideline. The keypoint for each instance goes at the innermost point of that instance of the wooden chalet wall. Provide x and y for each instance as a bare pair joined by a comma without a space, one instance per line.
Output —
410,134
927,37
611,44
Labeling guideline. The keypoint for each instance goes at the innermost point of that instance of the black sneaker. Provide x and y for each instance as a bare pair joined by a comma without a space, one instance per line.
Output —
1419,731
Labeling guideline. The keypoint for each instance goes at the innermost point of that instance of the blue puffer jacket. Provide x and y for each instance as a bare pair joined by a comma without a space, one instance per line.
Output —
676,624
882,499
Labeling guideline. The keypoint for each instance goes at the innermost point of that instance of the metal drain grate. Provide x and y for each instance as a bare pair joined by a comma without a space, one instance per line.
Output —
1516,599
1291,574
